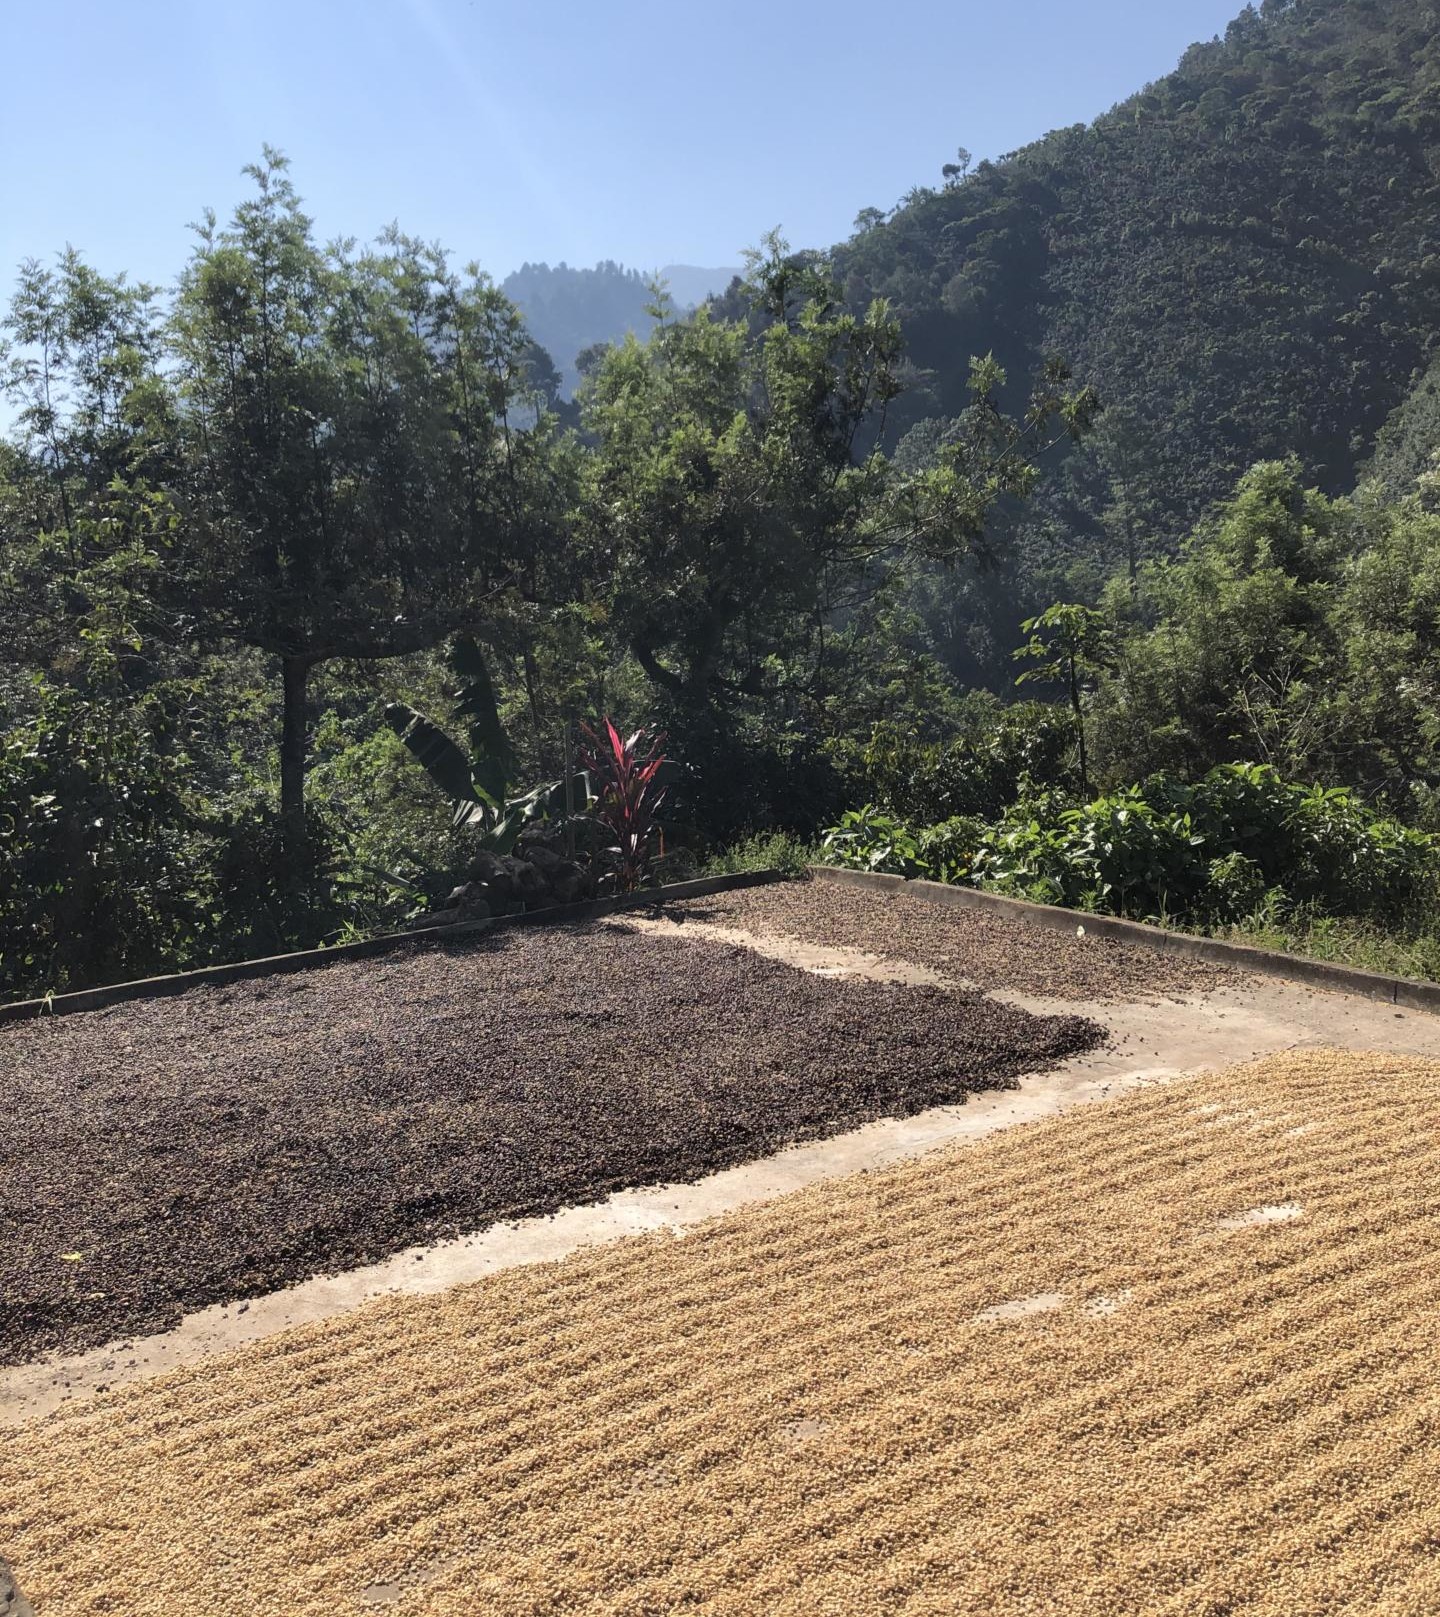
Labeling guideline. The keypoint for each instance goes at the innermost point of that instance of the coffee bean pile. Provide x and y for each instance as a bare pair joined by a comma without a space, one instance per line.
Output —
1070,1370
971,945
166,1154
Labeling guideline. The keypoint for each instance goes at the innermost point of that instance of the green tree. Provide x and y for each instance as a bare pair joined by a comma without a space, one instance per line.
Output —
956,173
84,517
1384,713
741,509
727,499
1074,642
354,483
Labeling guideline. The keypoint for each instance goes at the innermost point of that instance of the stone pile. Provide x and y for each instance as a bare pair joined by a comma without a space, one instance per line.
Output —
534,877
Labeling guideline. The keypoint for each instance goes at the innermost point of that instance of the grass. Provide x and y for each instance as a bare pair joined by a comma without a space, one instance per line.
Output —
1402,952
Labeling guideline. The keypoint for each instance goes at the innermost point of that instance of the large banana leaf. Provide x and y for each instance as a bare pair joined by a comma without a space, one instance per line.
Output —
441,758
478,785
491,758
500,828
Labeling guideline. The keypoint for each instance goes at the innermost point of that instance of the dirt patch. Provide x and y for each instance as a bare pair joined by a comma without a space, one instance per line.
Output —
801,1409
166,1154
964,945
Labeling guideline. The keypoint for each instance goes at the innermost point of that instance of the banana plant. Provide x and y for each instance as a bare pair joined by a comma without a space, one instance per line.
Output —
478,782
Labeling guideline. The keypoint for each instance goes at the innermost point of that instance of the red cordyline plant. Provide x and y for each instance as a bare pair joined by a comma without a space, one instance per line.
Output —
627,799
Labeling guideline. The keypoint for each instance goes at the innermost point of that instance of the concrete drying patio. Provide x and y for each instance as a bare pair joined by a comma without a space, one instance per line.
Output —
1187,1018
586,1436
1175,1354
161,1155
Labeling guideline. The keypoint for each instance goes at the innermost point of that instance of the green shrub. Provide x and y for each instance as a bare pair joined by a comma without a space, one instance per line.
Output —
946,852
1006,751
1323,846
1235,888
763,850
1209,851
759,778
869,839
105,851
1220,851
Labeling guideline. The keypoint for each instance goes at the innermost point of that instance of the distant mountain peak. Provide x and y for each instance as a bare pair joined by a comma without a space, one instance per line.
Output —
568,308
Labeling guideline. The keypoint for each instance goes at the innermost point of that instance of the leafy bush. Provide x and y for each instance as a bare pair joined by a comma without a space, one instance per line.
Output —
479,782
760,778
869,839
104,849
1238,842
763,850
1209,851
277,892
947,851
1235,889
1004,751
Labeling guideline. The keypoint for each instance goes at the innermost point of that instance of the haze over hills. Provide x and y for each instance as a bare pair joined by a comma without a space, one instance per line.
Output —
1243,258
569,309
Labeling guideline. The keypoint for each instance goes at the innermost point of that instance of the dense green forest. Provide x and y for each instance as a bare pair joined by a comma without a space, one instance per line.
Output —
273,536
1244,259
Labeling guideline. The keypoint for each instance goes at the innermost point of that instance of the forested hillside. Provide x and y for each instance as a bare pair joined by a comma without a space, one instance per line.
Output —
1409,438
569,309
1244,258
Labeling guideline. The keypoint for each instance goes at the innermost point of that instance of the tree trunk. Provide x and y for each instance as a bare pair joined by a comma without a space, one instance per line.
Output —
295,674
1079,729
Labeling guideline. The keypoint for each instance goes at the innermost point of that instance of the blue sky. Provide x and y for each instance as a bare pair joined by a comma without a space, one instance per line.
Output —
538,129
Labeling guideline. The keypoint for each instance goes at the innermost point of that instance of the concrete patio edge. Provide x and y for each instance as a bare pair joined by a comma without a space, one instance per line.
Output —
1404,992
93,999
12,1602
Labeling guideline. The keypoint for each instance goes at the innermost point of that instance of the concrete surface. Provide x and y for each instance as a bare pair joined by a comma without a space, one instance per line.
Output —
1150,1043
12,1602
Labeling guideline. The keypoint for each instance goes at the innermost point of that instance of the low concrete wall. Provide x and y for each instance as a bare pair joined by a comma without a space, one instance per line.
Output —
92,999
1405,992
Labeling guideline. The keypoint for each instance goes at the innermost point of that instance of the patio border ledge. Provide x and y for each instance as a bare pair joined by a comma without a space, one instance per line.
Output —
94,999
1404,992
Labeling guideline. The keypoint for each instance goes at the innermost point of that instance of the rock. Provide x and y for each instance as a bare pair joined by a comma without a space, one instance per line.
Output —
436,918
525,879
485,867
567,882
544,859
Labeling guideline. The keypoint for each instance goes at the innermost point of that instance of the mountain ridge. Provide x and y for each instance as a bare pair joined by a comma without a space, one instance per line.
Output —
569,309
1243,257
